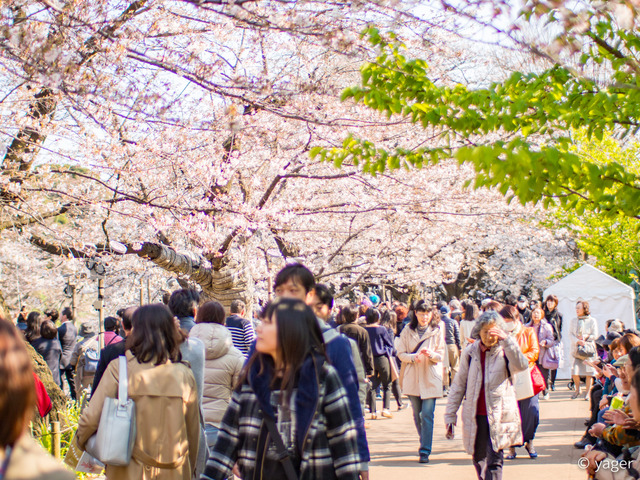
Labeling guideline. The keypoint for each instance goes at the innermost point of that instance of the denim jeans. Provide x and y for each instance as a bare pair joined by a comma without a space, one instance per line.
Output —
423,411
211,433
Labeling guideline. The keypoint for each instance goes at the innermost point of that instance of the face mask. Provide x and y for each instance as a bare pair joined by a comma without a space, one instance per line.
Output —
522,304
510,327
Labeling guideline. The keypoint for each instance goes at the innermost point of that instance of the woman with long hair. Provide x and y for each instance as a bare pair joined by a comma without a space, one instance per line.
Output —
166,401
544,334
382,348
554,317
48,346
20,456
289,412
34,322
390,322
469,315
421,348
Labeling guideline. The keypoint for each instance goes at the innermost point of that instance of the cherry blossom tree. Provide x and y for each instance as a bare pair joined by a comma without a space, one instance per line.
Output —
173,138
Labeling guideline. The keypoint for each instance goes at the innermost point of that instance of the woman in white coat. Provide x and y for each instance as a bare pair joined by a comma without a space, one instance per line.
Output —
421,349
223,363
490,416
584,331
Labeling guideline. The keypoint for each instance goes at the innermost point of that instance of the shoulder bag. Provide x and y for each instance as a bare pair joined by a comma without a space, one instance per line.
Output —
113,443
403,367
283,454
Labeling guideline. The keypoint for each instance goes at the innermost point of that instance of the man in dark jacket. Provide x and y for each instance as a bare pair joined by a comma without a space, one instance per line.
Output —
452,339
523,309
113,351
354,331
296,281
184,305
242,332
68,335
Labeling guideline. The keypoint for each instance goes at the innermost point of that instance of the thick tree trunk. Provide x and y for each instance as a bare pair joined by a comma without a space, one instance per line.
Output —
224,285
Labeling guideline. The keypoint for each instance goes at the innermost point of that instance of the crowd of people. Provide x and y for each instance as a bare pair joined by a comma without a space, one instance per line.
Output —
291,393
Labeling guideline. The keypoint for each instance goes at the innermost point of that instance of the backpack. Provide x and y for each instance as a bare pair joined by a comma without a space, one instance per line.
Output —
91,356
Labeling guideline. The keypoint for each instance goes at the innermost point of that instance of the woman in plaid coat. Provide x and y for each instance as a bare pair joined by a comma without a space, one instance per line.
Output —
287,381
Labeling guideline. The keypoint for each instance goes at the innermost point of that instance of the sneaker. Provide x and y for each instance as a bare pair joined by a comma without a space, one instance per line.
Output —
424,459
374,416
386,413
546,396
402,406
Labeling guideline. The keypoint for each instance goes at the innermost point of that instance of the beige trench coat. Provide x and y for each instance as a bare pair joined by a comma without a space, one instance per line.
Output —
423,379
167,420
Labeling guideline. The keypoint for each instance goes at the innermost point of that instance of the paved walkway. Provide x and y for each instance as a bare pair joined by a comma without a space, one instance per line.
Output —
394,445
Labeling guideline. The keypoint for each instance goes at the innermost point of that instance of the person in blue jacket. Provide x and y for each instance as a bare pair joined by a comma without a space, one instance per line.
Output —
296,281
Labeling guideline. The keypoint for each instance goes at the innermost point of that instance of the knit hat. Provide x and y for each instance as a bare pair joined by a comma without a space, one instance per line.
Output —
88,329
616,326
375,299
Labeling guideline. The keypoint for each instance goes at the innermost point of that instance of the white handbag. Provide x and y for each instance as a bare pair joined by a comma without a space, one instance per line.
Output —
522,384
112,444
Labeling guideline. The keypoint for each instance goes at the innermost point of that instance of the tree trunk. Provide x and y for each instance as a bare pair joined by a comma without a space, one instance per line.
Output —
4,309
224,285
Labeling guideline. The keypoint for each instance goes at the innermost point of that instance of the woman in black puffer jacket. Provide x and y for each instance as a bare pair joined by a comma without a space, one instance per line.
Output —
554,317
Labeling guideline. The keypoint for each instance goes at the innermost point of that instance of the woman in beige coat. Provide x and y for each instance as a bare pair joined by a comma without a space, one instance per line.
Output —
166,401
490,416
421,349
223,363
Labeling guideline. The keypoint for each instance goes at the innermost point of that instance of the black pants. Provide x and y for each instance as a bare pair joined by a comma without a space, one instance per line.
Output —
69,374
395,389
553,377
595,395
487,461
381,377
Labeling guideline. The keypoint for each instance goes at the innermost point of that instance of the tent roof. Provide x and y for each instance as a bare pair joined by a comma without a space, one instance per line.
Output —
589,282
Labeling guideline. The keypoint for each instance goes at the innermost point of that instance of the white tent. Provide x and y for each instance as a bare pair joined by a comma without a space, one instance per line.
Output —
608,298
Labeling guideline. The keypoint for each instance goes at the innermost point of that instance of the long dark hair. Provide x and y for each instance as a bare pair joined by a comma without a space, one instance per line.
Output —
298,335
390,320
155,336
471,312
424,306
34,322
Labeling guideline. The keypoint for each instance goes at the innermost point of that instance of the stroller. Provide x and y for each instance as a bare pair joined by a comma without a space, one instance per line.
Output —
572,386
